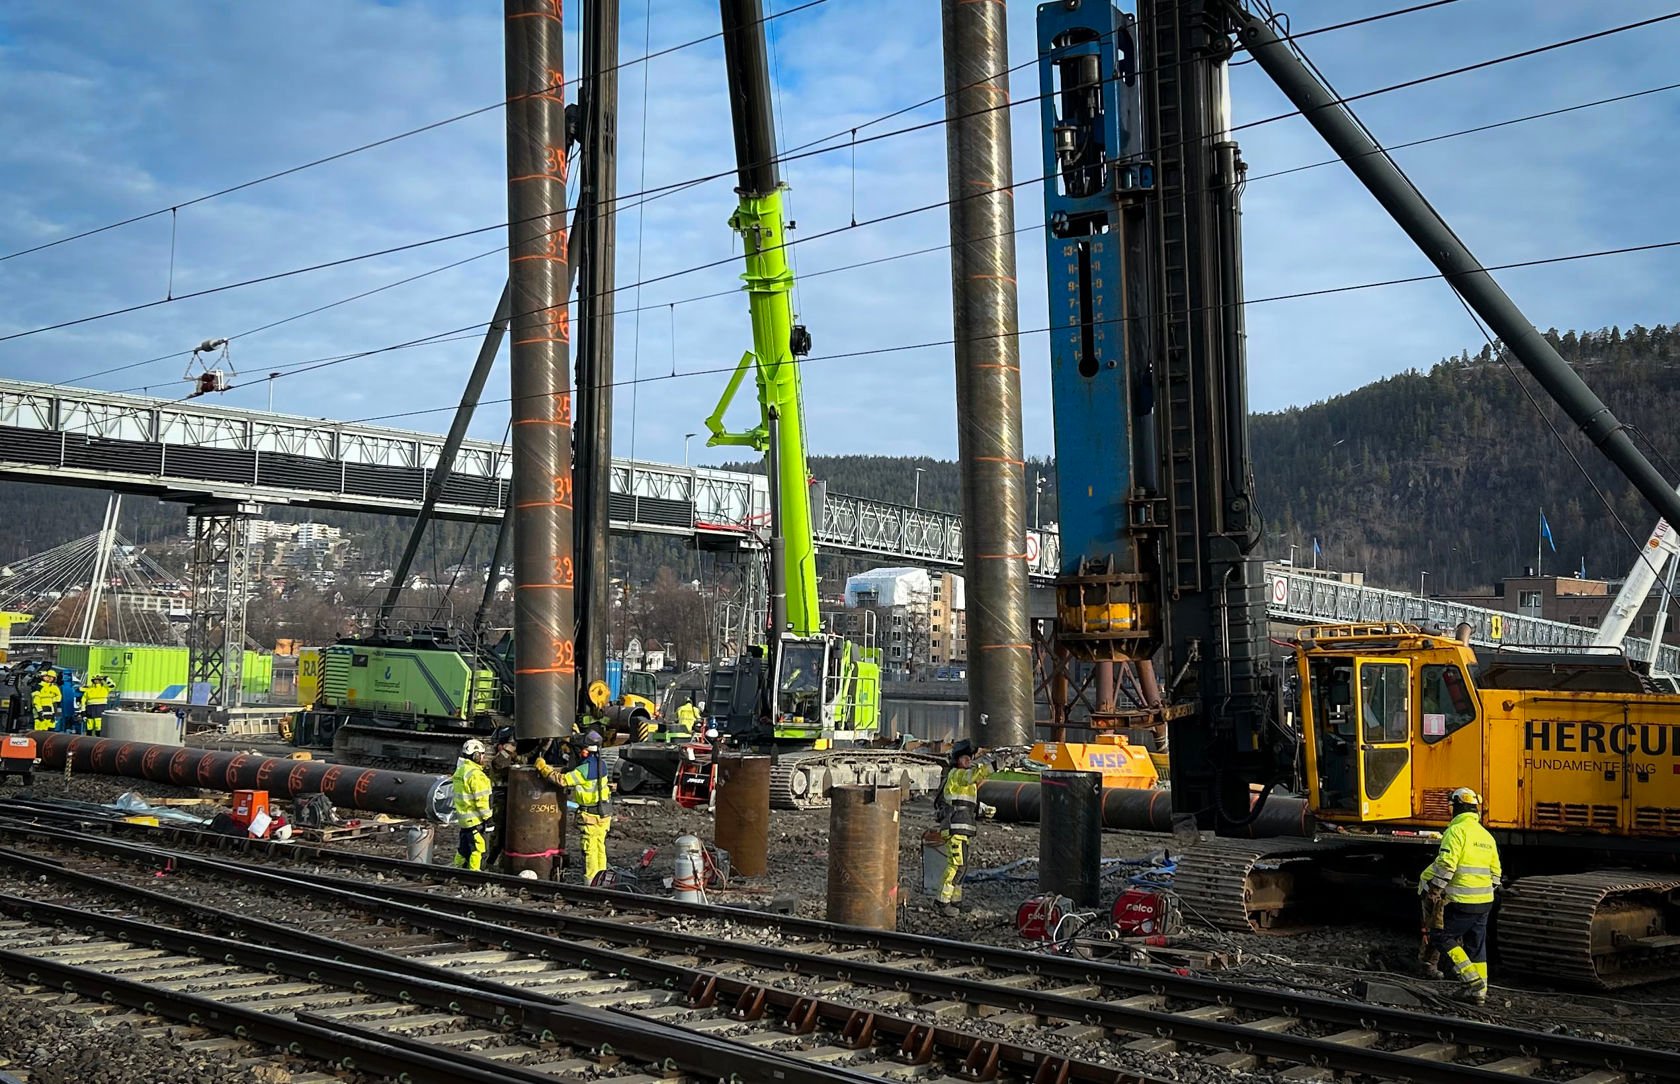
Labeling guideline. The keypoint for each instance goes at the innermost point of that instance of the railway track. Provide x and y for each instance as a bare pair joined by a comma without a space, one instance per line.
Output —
966,1010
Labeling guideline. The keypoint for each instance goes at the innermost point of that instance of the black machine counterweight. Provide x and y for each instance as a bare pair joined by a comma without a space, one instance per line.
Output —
543,563
988,372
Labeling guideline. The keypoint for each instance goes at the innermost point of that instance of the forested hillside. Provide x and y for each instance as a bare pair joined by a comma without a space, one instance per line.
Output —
1445,471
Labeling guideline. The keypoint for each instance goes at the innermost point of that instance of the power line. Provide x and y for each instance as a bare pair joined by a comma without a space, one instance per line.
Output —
940,343
704,178
371,145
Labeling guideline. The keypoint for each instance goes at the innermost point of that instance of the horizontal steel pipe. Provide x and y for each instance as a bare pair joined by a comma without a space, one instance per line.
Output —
369,790
1139,810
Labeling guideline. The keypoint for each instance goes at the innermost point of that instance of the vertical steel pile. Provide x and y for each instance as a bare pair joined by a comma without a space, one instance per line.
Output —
543,619
596,223
1070,836
863,856
535,832
741,824
988,371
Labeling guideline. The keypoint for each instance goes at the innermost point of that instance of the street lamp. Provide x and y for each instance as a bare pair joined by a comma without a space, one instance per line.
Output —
916,501
1038,499
1421,576
271,377
686,438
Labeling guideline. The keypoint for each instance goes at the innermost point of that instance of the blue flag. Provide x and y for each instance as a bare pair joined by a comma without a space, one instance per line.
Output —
1546,532
1583,566
1317,550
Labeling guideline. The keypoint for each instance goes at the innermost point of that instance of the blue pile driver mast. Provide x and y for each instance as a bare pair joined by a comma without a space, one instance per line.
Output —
1149,381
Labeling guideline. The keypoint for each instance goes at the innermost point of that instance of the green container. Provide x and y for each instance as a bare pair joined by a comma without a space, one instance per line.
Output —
405,681
142,673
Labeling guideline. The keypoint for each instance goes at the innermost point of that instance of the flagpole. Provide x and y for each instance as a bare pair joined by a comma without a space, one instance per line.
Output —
1539,540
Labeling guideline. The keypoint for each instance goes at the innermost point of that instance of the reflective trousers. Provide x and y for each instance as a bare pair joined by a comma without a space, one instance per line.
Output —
1462,939
469,851
594,831
956,858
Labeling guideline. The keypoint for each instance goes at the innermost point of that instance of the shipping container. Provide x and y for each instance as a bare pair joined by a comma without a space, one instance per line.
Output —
143,673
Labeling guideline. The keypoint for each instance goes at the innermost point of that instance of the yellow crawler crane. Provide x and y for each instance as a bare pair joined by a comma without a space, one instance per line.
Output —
1577,761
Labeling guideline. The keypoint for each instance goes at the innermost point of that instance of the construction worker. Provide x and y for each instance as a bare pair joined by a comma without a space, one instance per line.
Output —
504,754
688,718
1464,875
959,805
593,795
472,804
42,701
94,698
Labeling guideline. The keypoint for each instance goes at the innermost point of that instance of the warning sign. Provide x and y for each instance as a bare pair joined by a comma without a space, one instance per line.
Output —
1032,548
1496,626
1280,590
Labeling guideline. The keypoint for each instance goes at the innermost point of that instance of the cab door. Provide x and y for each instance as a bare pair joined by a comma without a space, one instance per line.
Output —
1385,750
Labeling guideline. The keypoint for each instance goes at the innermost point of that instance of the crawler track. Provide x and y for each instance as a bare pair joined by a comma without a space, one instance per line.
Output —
841,998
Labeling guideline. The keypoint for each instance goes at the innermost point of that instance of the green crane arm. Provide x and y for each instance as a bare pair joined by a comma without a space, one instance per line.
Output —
769,285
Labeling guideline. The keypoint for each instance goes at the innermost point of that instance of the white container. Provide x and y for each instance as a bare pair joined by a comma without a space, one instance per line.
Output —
689,876
154,727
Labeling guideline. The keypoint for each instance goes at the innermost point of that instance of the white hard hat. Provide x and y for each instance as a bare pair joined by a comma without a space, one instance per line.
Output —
472,747
1465,796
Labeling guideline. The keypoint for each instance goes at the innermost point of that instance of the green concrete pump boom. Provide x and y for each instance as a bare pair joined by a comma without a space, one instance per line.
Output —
777,339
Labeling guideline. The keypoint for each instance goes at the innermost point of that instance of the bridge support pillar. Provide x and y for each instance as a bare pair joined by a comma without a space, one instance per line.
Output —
221,573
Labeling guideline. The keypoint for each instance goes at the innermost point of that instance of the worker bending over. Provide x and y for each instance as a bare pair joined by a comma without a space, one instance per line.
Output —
959,799
473,812
504,754
593,795
688,718
1464,875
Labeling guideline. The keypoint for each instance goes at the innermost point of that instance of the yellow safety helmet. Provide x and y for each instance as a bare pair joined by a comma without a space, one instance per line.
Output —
1465,796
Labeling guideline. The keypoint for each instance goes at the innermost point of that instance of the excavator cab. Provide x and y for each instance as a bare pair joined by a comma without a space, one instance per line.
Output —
1357,716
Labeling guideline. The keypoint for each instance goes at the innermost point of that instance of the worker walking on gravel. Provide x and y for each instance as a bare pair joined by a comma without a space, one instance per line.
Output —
1463,877
593,794
473,811
959,805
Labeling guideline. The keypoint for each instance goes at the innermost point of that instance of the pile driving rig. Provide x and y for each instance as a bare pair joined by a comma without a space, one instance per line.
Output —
807,694
1575,754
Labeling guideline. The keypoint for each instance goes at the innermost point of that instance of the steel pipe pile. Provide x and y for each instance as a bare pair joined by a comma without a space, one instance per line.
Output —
863,856
1070,855
1140,810
370,790
741,825
989,451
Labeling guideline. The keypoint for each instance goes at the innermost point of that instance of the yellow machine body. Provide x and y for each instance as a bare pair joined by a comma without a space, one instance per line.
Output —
1394,719
1123,765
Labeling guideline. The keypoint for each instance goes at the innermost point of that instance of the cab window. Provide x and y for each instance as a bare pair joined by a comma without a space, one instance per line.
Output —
1384,694
1446,701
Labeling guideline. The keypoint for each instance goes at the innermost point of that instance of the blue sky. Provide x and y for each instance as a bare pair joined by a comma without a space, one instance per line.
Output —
109,110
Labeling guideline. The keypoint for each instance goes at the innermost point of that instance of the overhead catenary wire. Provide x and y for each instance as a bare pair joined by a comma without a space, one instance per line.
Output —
941,343
783,159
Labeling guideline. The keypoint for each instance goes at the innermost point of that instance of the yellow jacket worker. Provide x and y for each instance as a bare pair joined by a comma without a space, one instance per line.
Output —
960,817
1465,873
593,794
471,784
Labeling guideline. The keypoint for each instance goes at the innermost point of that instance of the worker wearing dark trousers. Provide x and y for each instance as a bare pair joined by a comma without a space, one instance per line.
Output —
1464,876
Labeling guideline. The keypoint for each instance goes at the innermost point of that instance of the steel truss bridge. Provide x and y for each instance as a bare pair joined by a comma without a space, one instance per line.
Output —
202,454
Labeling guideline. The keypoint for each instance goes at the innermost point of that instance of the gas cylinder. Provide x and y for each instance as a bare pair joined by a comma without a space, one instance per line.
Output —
688,876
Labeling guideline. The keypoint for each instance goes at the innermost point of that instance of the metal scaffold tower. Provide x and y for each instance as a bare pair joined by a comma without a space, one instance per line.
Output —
221,571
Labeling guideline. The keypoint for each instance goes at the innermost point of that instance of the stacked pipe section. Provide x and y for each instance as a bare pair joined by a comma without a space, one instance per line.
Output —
988,371
370,790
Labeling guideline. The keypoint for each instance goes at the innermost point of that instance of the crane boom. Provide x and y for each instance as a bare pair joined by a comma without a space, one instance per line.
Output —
777,338
1658,550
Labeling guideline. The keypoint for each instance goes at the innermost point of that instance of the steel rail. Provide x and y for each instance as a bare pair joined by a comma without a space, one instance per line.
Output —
362,968
981,1057
1125,1018
637,1039
1424,1028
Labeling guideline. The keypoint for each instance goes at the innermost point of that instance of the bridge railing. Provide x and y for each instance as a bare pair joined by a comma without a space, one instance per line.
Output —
1297,596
